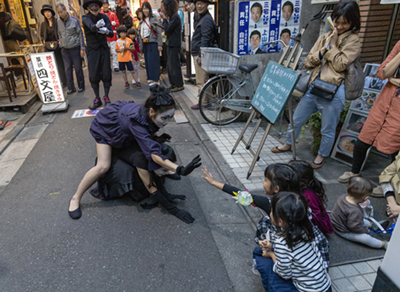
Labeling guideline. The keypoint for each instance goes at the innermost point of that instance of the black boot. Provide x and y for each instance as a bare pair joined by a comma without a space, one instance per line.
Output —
96,103
106,100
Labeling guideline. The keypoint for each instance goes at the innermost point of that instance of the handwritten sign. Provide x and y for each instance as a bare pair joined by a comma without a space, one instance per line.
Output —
47,77
274,90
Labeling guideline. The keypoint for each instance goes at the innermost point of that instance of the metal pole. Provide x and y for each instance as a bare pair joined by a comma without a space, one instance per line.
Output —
390,32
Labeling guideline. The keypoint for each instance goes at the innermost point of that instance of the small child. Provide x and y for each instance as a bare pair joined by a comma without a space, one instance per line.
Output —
132,34
122,46
293,262
278,177
313,190
348,218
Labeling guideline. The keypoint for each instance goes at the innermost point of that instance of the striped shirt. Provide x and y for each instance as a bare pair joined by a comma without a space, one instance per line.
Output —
303,265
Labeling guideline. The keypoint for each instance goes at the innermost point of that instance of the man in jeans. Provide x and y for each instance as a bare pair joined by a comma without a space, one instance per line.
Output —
203,36
72,47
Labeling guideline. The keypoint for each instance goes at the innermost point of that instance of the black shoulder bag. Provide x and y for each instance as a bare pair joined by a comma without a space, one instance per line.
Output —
322,88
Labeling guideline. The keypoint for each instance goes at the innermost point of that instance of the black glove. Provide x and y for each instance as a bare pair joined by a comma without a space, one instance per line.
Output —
185,216
190,167
162,138
171,197
180,214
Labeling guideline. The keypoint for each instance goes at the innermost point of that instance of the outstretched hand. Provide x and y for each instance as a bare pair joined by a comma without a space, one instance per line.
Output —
195,163
208,176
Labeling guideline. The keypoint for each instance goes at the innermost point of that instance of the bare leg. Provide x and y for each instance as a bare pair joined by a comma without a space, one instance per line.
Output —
124,76
145,177
133,76
102,166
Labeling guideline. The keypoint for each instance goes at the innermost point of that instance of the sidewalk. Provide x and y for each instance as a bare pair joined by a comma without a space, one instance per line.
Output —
345,278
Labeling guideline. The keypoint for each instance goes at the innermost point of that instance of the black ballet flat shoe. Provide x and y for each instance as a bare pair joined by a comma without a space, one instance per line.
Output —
174,176
76,214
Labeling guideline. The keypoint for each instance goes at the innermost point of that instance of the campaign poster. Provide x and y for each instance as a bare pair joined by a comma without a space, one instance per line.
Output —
262,22
47,77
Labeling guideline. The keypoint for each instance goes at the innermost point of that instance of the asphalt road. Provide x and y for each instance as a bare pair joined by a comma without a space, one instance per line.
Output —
116,245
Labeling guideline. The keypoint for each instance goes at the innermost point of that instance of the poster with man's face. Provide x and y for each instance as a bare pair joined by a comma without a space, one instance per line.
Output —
262,22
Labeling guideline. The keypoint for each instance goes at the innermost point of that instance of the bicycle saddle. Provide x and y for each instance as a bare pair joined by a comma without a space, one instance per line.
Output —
248,67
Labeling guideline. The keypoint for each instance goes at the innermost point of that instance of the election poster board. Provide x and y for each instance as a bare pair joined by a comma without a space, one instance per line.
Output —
260,22
274,90
47,77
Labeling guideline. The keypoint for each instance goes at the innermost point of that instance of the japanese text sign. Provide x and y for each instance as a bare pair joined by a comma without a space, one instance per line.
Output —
47,77
274,90
261,22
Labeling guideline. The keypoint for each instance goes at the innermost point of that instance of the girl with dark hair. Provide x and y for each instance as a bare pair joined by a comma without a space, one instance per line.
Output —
150,42
278,177
313,190
329,57
49,33
122,124
293,262
172,26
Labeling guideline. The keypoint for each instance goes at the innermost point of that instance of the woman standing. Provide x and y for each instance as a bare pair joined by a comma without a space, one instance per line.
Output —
49,35
330,56
173,26
150,43
381,129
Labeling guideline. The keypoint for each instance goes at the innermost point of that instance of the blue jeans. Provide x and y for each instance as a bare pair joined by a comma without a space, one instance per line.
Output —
271,281
330,111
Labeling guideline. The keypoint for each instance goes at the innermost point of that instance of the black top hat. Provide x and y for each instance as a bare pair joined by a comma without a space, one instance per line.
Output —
47,7
87,2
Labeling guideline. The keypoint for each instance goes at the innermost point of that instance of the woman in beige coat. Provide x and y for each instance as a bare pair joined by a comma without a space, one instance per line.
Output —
334,51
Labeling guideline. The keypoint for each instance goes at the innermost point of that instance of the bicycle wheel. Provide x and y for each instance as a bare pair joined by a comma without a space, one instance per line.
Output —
212,100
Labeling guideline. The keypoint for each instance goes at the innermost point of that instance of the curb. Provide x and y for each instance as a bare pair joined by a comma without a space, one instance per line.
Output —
223,167
10,137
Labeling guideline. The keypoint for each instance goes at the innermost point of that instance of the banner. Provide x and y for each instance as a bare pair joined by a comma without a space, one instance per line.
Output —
47,77
261,22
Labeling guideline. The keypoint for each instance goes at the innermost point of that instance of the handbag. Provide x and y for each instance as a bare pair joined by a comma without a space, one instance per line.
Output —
322,88
15,31
302,84
51,46
354,80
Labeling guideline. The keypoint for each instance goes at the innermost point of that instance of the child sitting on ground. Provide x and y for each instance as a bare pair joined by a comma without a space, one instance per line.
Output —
135,51
293,262
122,46
278,177
313,190
348,218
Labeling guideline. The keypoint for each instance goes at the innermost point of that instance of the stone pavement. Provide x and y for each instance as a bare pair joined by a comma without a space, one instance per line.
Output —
345,278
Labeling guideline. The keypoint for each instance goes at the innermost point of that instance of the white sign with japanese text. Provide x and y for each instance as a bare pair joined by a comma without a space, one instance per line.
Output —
48,80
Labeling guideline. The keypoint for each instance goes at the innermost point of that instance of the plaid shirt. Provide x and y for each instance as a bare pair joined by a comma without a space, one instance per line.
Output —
320,240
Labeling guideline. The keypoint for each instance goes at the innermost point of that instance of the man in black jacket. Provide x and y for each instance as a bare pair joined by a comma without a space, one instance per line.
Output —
203,36
97,27
173,27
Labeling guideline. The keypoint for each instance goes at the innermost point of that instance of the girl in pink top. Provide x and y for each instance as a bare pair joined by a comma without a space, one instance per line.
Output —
313,190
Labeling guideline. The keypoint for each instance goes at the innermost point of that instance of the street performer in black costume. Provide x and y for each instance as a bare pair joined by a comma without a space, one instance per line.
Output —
97,27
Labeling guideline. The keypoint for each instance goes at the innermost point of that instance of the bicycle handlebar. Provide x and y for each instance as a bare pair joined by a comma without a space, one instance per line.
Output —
274,43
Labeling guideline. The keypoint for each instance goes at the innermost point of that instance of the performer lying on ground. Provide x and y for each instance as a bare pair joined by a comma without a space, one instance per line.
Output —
124,123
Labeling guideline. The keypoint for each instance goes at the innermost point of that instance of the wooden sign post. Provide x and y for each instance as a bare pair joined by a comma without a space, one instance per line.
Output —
273,92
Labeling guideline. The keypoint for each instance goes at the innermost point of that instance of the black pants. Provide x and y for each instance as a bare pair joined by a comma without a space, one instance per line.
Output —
174,67
99,64
359,153
72,59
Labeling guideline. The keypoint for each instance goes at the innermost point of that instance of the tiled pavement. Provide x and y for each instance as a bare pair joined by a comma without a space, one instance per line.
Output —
345,278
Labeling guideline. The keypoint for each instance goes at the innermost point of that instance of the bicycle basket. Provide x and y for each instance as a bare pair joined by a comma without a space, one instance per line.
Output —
217,61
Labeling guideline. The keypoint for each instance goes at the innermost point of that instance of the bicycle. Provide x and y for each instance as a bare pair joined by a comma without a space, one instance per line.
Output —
225,97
